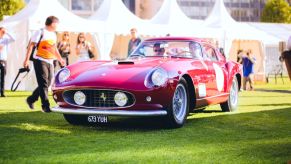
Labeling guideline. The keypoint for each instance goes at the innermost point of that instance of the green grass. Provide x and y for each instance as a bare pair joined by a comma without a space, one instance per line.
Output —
259,133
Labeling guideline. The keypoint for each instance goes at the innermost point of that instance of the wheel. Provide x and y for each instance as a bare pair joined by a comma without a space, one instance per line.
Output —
179,108
231,104
75,119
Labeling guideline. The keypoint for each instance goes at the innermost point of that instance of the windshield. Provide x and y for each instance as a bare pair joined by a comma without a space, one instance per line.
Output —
186,49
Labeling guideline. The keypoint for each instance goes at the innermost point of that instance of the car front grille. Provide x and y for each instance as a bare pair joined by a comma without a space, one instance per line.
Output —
98,98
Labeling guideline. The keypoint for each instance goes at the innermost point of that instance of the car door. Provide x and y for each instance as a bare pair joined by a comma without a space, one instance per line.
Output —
207,57
217,71
199,74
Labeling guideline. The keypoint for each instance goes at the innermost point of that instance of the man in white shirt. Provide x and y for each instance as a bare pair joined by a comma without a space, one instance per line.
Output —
47,52
5,39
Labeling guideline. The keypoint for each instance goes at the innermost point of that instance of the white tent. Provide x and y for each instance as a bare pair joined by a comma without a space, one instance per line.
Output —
171,19
118,22
278,30
31,18
118,19
234,36
228,29
36,12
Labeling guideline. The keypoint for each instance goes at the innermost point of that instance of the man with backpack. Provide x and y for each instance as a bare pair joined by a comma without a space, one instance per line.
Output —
45,42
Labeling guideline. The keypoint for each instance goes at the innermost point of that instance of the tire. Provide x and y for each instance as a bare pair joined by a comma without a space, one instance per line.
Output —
231,104
179,107
76,119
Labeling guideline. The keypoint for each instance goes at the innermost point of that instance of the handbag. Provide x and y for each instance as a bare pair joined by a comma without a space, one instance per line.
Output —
31,58
21,70
91,55
62,53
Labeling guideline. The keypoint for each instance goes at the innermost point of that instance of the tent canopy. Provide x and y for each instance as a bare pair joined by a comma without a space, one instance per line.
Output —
118,19
31,18
171,19
36,12
228,29
278,30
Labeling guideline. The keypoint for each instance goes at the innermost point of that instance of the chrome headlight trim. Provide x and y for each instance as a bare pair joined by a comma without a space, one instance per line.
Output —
120,99
63,75
158,77
79,98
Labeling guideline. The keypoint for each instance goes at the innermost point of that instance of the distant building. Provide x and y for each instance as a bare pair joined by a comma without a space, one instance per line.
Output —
240,10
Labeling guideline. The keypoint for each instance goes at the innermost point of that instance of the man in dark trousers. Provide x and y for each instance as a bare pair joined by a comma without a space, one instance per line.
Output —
47,52
5,39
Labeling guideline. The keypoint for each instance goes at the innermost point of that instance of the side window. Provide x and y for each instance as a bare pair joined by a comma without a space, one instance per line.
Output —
209,53
196,50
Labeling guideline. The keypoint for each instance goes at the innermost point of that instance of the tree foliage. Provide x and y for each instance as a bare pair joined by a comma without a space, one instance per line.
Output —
277,11
10,7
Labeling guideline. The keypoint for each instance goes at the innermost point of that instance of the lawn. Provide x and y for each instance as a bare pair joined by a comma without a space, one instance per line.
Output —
259,133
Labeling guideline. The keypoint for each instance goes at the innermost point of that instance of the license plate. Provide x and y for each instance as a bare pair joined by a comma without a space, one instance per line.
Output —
98,119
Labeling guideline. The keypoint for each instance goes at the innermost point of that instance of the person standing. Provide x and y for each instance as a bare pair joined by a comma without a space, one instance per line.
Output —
64,49
5,39
46,53
134,41
239,56
83,47
248,62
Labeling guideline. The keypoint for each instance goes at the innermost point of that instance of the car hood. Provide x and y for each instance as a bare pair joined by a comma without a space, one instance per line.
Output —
116,75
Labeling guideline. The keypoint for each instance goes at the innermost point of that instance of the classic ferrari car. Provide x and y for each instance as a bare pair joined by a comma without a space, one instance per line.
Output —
167,77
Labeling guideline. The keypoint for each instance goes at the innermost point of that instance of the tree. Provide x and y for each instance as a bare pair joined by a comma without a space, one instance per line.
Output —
10,7
277,11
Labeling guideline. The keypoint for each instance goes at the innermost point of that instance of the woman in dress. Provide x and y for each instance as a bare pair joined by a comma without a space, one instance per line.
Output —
64,48
83,47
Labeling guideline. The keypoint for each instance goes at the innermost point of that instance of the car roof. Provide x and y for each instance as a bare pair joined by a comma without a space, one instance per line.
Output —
171,38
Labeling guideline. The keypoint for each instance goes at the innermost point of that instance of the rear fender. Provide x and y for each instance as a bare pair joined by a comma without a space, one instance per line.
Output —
234,71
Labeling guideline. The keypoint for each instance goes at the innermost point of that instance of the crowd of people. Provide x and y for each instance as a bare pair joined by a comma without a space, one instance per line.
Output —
50,53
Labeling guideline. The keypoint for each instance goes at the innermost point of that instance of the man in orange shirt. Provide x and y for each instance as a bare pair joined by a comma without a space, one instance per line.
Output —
47,52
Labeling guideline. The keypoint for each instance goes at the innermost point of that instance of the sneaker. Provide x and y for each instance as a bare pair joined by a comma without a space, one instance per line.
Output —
30,104
46,109
2,95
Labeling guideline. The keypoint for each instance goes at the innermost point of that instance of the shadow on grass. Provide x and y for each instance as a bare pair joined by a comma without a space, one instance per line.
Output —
273,90
14,95
205,111
259,135
281,104
121,123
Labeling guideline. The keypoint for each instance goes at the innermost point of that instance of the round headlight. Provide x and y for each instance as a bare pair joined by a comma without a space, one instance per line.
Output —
79,98
120,99
64,75
159,77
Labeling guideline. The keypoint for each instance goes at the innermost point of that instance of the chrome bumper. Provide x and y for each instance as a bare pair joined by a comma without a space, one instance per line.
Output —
82,111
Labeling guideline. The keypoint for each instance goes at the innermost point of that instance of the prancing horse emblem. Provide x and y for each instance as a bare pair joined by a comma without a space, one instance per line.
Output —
103,96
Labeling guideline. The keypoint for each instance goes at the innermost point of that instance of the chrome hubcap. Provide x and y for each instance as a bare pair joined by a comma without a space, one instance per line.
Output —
234,93
180,102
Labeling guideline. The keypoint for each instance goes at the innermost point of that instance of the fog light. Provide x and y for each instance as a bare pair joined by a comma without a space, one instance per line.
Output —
120,99
79,98
148,98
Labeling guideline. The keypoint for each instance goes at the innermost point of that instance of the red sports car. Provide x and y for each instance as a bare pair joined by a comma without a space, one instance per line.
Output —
165,77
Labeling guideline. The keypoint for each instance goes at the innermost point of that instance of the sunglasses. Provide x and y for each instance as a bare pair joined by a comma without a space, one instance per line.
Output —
66,34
